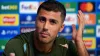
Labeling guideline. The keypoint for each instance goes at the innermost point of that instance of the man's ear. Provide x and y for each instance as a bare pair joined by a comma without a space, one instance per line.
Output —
62,27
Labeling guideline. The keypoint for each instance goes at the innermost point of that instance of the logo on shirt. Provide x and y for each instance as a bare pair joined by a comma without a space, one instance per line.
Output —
64,45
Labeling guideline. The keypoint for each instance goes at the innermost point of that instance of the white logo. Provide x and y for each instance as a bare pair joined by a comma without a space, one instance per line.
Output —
29,7
98,31
70,19
27,29
87,17
2,47
65,45
29,18
9,32
3,32
99,6
67,30
9,7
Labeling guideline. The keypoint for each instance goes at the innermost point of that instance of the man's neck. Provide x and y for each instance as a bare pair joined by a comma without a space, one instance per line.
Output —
42,47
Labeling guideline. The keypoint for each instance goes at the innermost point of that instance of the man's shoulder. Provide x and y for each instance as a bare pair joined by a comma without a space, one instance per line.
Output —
62,39
20,38
69,44
27,34
17,44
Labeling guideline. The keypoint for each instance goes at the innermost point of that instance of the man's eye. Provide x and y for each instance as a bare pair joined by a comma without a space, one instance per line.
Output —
53,22
42,19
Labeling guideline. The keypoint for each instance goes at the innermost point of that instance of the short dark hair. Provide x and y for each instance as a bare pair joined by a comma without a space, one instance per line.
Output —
53,6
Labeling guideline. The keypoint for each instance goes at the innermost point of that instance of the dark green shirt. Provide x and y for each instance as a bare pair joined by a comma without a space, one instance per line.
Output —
22,45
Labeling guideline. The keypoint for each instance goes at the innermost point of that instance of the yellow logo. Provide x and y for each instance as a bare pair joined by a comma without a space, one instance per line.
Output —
9,20
90,31
90,43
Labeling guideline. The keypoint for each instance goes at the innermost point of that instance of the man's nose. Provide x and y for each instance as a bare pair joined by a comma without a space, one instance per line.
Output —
46,25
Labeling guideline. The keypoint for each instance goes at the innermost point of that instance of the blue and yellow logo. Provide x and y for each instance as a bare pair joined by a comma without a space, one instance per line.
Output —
90,43
89,31
9,20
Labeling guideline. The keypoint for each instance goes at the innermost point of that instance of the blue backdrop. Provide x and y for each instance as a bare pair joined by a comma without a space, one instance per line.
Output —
18,16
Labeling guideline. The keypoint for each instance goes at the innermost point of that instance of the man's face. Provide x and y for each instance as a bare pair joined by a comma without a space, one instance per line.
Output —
48,24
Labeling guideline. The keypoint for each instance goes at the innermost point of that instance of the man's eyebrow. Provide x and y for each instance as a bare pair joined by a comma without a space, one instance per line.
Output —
41,17
54,20
49,19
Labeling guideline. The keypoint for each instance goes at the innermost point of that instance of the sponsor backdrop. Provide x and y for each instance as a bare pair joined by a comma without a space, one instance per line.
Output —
18,16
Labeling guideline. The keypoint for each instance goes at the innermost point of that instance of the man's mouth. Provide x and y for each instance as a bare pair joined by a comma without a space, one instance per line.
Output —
44,34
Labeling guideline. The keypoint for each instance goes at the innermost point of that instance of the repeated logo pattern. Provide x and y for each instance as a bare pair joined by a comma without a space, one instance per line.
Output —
19,17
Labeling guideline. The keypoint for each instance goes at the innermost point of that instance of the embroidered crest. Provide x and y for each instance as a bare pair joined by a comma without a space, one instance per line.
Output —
64,45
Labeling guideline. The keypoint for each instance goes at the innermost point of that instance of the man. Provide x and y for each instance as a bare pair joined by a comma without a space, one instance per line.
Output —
44,41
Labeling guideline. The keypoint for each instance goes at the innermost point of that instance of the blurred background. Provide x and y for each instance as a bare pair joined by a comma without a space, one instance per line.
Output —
18,16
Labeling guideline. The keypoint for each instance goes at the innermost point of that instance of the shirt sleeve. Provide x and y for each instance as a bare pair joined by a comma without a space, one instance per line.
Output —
8,49
14,46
